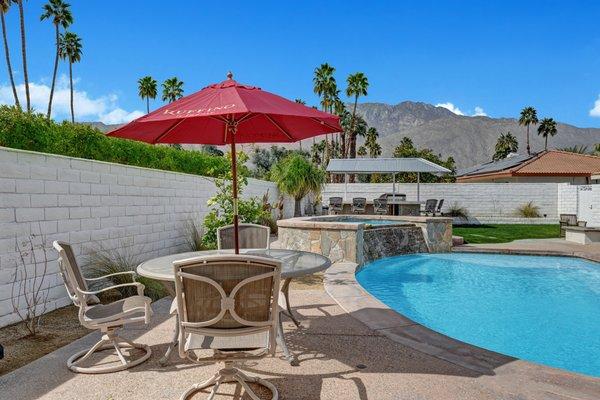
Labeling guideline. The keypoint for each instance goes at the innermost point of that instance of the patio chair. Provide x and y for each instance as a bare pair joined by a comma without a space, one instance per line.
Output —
567,220
251,236
107,318
336,205
227,306
380,206
430,205
438,210
359,205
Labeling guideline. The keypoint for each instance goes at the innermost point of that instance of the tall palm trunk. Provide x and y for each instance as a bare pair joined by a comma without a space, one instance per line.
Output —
147,105
8,64
352,139
528,148
24,53
546,142
54,73
71,83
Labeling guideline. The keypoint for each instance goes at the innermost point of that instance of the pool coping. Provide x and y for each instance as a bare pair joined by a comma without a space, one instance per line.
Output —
341,284
465,248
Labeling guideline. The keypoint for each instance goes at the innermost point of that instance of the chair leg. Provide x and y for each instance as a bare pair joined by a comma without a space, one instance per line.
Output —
110,340
231,374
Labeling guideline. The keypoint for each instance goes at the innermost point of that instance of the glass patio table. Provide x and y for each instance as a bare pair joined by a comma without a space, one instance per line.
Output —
295,263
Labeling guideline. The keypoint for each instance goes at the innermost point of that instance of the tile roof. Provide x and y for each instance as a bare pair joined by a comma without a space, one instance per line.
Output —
551,162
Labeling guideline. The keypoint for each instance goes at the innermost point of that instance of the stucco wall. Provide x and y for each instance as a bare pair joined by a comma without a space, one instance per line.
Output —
90,204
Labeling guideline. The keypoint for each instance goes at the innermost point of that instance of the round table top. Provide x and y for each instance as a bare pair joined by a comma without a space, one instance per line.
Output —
295,263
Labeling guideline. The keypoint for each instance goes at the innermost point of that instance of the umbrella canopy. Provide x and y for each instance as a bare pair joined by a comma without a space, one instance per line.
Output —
228,113
211,115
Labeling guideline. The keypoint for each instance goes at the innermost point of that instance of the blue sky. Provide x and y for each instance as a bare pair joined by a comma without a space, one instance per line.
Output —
493,57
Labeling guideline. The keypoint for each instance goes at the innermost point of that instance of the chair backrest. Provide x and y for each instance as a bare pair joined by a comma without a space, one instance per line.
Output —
359,202
335,203
251,236
439,205
380,205
430,205
224,295
70,272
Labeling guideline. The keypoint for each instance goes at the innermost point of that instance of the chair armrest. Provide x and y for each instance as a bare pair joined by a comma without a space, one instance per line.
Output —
132,273
140,288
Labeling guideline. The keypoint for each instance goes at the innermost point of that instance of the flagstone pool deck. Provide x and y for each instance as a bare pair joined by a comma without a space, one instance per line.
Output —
332,346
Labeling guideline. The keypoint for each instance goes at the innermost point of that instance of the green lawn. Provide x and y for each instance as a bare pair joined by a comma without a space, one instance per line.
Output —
504,233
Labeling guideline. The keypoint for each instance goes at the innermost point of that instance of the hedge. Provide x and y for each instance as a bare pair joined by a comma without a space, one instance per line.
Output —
27,131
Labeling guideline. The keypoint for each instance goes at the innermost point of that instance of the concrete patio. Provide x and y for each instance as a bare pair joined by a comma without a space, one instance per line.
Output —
340,358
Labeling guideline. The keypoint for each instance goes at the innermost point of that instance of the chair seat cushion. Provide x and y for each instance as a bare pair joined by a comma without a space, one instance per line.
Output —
245,342
117,309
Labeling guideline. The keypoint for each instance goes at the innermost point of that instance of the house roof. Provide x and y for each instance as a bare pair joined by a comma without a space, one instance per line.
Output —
383,165
545,163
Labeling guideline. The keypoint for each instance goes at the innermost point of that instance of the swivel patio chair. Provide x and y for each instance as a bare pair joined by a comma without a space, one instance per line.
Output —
107,318
359,205
380,206
251,236
430,205
336,205
228,312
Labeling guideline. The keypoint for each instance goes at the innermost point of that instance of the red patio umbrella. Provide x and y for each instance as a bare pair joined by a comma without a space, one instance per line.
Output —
228,113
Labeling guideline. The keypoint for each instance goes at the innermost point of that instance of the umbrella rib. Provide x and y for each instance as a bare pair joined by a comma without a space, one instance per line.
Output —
279,127
324,123
162,135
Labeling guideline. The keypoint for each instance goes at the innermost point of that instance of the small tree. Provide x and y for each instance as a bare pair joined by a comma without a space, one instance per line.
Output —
297,176
505,145
28,292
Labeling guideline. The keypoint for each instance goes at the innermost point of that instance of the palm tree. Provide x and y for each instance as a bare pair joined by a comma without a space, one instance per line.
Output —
505,145
362,151
147,89
528,117
297,177
324,85
4,6
24,52
371,143
357,86
547,128
172,89
70,48
597,149
60,13
575,149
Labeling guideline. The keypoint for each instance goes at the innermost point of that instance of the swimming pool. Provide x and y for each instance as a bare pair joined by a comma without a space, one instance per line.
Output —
540,309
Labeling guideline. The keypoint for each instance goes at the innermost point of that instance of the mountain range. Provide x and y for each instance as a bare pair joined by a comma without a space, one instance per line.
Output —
470,140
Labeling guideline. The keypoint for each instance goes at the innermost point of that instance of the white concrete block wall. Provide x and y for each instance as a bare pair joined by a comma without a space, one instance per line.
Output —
89,204
567,199
480,199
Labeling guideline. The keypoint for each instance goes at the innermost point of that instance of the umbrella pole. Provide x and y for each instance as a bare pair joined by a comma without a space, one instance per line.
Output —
235,193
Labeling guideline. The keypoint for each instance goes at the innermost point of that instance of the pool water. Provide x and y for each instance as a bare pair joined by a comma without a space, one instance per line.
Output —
540,309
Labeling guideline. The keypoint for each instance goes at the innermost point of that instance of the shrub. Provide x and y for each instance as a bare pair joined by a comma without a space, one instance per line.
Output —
104,262
221,214
529,210
457,211
26,131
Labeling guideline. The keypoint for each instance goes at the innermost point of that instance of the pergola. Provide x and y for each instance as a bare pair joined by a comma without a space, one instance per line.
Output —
383,166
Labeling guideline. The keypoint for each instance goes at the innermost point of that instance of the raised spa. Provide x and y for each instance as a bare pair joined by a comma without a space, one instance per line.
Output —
537,308
364,238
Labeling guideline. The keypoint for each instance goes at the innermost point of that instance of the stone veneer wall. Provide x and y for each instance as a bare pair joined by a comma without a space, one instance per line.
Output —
90,204
351,242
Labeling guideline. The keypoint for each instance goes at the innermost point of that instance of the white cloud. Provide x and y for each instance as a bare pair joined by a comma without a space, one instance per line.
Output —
595,112
451,107
118,116
479,112
104,108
